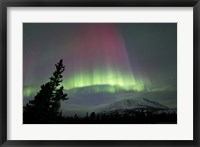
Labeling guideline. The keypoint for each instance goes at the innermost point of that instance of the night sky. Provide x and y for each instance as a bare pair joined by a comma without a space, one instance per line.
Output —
102,60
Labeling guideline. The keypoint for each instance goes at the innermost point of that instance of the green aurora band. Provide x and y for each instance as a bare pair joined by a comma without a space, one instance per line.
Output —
125,81
111,81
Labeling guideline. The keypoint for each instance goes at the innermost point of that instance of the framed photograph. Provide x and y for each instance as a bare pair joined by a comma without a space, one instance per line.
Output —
87,73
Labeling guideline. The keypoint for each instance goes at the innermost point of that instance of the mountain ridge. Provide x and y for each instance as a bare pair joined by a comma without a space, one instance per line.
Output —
132,105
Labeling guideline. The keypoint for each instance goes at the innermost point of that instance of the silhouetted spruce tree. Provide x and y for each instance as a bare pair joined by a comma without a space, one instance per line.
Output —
45,108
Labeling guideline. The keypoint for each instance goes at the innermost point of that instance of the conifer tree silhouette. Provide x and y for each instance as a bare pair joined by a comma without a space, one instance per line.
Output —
45,108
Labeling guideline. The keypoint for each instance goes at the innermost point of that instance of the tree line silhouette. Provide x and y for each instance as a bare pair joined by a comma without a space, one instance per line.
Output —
45,108
137,117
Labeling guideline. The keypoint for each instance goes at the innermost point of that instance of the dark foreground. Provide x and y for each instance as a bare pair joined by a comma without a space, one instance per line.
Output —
131,118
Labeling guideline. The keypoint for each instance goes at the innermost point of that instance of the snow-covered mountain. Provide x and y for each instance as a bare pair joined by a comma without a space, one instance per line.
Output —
129,105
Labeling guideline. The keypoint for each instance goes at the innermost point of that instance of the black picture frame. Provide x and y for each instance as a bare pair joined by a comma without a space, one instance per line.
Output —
96,3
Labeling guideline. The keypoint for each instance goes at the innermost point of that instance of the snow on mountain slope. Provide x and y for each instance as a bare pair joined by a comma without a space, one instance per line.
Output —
132,104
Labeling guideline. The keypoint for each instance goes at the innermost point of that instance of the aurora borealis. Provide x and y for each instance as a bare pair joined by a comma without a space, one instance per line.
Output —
102,58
